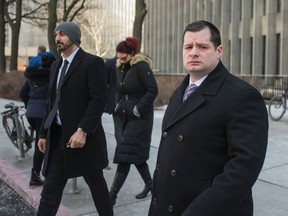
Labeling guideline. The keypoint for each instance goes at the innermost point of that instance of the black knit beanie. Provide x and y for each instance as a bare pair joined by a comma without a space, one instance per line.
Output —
72,30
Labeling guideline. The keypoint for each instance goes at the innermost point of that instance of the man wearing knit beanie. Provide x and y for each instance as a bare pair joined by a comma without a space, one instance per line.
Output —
71,30
72,136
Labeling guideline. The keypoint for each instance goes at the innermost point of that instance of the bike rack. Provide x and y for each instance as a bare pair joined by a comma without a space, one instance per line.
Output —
74,186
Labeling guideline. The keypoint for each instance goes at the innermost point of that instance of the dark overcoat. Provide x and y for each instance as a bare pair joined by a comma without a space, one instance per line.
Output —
136,87
212,149
112,84
82,102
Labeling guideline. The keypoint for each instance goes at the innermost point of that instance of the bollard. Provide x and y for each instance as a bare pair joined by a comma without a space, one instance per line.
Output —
74,186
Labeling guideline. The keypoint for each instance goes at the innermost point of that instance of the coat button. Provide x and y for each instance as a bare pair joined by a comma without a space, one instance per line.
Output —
154,201
170,208
165,134
157,166
180,137
173,172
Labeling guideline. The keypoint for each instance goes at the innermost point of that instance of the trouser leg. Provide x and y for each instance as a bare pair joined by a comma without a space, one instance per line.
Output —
35,179
38,155
100,193
54,184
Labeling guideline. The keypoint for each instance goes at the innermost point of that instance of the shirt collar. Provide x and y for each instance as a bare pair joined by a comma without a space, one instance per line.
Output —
198,82
71,57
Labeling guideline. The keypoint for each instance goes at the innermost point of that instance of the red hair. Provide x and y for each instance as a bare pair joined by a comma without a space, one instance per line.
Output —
129,46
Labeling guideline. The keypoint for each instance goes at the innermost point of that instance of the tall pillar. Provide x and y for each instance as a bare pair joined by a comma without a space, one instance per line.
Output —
245,36
284,39
258,49
147,39
208,10
193,8
216,10
187,12
200,10
173,33
235,41
178,36
226,17
270,59
155,37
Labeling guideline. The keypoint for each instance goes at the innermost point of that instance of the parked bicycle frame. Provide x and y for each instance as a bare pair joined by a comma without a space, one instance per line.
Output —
14,125
278,105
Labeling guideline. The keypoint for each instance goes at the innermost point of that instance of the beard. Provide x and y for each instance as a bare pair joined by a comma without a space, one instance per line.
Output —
61,47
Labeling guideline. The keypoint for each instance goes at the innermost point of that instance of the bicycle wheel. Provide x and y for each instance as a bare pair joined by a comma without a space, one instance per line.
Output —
277,107
10,128
9,125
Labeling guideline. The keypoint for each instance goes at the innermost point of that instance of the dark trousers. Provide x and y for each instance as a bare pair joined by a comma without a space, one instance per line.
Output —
55,183
35,123
124,168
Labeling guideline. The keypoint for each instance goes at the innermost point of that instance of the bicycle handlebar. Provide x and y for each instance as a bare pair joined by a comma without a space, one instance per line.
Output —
12,107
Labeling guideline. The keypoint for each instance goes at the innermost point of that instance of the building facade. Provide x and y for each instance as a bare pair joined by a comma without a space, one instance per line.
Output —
115,20
254,33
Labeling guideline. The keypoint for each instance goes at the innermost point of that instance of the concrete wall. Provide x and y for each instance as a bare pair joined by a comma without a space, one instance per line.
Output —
254,33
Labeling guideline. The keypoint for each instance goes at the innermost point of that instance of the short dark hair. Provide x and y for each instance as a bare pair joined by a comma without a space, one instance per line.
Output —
42,48
200,25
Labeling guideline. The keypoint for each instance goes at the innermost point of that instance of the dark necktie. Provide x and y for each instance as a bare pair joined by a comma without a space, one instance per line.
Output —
189,90
54,109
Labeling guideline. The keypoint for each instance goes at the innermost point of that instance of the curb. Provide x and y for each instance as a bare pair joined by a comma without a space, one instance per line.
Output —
19,182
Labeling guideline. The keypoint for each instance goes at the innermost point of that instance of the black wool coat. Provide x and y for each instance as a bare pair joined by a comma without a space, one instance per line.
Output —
212,149
82,103
136,87
112,84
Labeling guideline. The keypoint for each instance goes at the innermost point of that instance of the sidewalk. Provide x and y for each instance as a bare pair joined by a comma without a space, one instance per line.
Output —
270,190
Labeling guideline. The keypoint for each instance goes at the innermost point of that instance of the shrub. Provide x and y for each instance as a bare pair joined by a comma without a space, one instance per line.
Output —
10,84
166,86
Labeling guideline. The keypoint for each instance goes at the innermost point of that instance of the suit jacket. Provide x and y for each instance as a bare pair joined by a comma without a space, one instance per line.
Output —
212,149
82,103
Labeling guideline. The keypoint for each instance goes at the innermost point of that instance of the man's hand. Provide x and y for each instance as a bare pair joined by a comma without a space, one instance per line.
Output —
42,145
77,140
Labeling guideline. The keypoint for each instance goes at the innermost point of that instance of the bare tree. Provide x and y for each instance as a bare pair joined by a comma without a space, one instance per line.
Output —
140,13
67,9
52,13
13,17
13,11
93,24
2,39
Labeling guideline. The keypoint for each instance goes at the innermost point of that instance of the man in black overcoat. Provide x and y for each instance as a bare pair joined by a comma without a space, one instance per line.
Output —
72,136
214,136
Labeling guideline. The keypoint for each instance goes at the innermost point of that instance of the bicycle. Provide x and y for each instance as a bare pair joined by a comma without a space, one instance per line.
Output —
278,105
14,125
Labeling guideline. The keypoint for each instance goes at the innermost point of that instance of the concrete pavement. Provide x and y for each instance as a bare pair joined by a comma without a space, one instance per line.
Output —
270,190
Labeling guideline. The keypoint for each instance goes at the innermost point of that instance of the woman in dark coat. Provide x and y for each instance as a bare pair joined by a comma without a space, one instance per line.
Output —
34,95
137,90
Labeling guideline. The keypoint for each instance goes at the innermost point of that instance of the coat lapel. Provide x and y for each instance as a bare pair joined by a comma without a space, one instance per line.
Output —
53,79
75,62
178,110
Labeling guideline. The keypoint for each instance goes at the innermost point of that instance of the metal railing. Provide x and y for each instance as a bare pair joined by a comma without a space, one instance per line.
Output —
268,85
